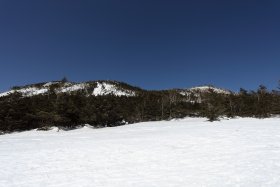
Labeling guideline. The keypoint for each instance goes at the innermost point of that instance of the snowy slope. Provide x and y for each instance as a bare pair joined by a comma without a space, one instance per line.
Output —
72,88
208,88
203,89
190,152
102,88
106,89
195,94
26,92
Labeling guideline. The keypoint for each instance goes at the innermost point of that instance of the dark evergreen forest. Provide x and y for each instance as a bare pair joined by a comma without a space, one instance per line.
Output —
70,110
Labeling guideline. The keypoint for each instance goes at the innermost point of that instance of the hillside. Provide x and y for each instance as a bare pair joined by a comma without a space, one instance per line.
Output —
94,88
68,105
97,88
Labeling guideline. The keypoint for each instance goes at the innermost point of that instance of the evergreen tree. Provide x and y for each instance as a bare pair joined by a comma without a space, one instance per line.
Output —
64,79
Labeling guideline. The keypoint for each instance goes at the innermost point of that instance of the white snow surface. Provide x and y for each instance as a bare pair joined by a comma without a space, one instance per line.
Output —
107,88
26,92
194,94
190,152
72,88
207,88
48,84
6,93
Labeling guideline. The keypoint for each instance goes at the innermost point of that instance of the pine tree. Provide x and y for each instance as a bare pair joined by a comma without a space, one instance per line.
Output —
64,79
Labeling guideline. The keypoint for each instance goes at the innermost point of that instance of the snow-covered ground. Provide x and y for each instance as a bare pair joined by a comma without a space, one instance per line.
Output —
189,152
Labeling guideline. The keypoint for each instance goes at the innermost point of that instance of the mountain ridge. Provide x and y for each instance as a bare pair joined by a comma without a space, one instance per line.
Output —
111,103
101,87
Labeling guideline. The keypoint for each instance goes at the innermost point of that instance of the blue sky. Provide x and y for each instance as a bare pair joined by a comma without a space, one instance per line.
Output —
154,44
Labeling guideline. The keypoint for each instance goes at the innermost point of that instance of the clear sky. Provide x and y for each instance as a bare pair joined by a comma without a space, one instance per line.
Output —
154,44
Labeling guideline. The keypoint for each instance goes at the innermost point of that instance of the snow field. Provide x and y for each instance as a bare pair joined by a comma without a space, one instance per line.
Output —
188,152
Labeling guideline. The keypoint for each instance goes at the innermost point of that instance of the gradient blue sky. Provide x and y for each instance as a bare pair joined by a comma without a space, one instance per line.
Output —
154,44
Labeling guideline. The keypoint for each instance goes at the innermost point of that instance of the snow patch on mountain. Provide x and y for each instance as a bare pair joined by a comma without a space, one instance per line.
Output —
4,94
72,88
48,84
209,88
194,95
196,91
26,92
107,89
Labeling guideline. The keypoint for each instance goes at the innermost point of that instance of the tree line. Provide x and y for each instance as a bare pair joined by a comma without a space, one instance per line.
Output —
70,110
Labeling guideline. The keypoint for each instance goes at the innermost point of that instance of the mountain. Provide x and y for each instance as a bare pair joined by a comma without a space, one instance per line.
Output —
195,94
111,103
95,88
203,89
99,88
